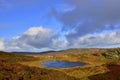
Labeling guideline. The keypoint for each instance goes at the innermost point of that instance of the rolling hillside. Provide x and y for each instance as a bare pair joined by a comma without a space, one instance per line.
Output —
103,64
11,70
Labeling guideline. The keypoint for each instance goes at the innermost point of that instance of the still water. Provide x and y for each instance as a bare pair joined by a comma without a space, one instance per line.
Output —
62,64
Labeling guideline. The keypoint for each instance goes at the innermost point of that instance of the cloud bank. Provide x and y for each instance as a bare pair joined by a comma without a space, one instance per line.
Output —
101,40
36,38
39,38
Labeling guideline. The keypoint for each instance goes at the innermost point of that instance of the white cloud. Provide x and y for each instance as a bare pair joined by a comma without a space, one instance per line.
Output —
36,38
2,47
96,40
41,39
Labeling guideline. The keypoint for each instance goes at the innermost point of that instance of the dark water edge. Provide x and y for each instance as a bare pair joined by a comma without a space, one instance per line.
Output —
62,64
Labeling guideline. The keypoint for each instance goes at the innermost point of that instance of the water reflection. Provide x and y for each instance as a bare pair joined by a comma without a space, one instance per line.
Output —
62,64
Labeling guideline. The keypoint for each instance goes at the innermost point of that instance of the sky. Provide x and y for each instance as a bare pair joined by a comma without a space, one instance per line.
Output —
41,25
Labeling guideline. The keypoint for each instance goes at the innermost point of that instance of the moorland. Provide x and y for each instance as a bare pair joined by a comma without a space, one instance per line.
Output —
102,64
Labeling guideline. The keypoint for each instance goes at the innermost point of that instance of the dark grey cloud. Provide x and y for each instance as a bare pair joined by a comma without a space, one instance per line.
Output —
89,16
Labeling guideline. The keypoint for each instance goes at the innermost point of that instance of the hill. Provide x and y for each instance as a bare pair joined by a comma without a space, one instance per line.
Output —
103,64
11,70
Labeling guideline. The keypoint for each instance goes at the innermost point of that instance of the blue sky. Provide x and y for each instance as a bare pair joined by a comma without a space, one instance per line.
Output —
26,24
17,17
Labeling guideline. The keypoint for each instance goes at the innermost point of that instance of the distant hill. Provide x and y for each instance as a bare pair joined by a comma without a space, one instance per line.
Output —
69,51
26,53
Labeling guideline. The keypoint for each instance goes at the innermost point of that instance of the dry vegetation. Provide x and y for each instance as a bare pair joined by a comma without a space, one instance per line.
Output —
103,64
10,69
